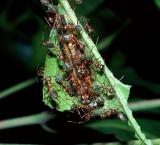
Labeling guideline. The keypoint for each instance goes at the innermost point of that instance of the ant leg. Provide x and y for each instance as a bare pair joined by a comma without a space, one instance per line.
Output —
70,121
48,23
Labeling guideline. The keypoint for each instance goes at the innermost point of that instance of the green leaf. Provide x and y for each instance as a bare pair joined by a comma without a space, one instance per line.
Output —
119,90
65,102
51,69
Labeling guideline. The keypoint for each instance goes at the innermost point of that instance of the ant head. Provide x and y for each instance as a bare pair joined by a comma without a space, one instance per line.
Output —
48,79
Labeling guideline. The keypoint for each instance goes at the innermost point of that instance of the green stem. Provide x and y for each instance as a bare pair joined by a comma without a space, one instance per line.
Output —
144,105
16,88
154,141
89,43
40,118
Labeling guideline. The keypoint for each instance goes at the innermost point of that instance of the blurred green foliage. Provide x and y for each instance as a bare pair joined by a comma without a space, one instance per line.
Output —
157,2
123,132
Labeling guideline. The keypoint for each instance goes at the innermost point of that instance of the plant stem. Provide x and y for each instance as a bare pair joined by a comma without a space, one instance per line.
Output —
40,118
144,105
89,43
154,141
16,88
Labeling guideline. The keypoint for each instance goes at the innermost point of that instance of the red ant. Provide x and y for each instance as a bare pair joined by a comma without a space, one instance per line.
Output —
73,41
114,112
74,82
82,70
75,54
51,45
97,103
82,111
109,113
47,81
52,93
93,62
53,19
48,44
40,73
88,28
85,98
66,87
72,28
85,111
97,64
108,89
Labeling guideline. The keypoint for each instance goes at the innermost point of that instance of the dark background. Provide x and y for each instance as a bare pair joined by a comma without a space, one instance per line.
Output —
133,52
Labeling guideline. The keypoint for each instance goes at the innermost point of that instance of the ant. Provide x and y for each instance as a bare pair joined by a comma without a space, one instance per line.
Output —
40,73
48,44
72,40
98,65
97,103
72,28
90,61
82,70
51,45
109,113
108,90
50,19
88,80
47,81
68,37
114,112
67,67
76,55
66,87
85,98
88,28
53,19
52,93
74,82
85,111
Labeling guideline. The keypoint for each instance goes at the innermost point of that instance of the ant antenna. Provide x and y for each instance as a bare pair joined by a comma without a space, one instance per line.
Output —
121,78
97,40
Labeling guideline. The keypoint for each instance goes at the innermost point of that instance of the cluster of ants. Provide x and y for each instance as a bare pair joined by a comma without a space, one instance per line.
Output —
77,79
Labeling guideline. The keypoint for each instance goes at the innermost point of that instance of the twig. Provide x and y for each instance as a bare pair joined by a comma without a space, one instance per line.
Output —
154,141
40,118
16,88
144,105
